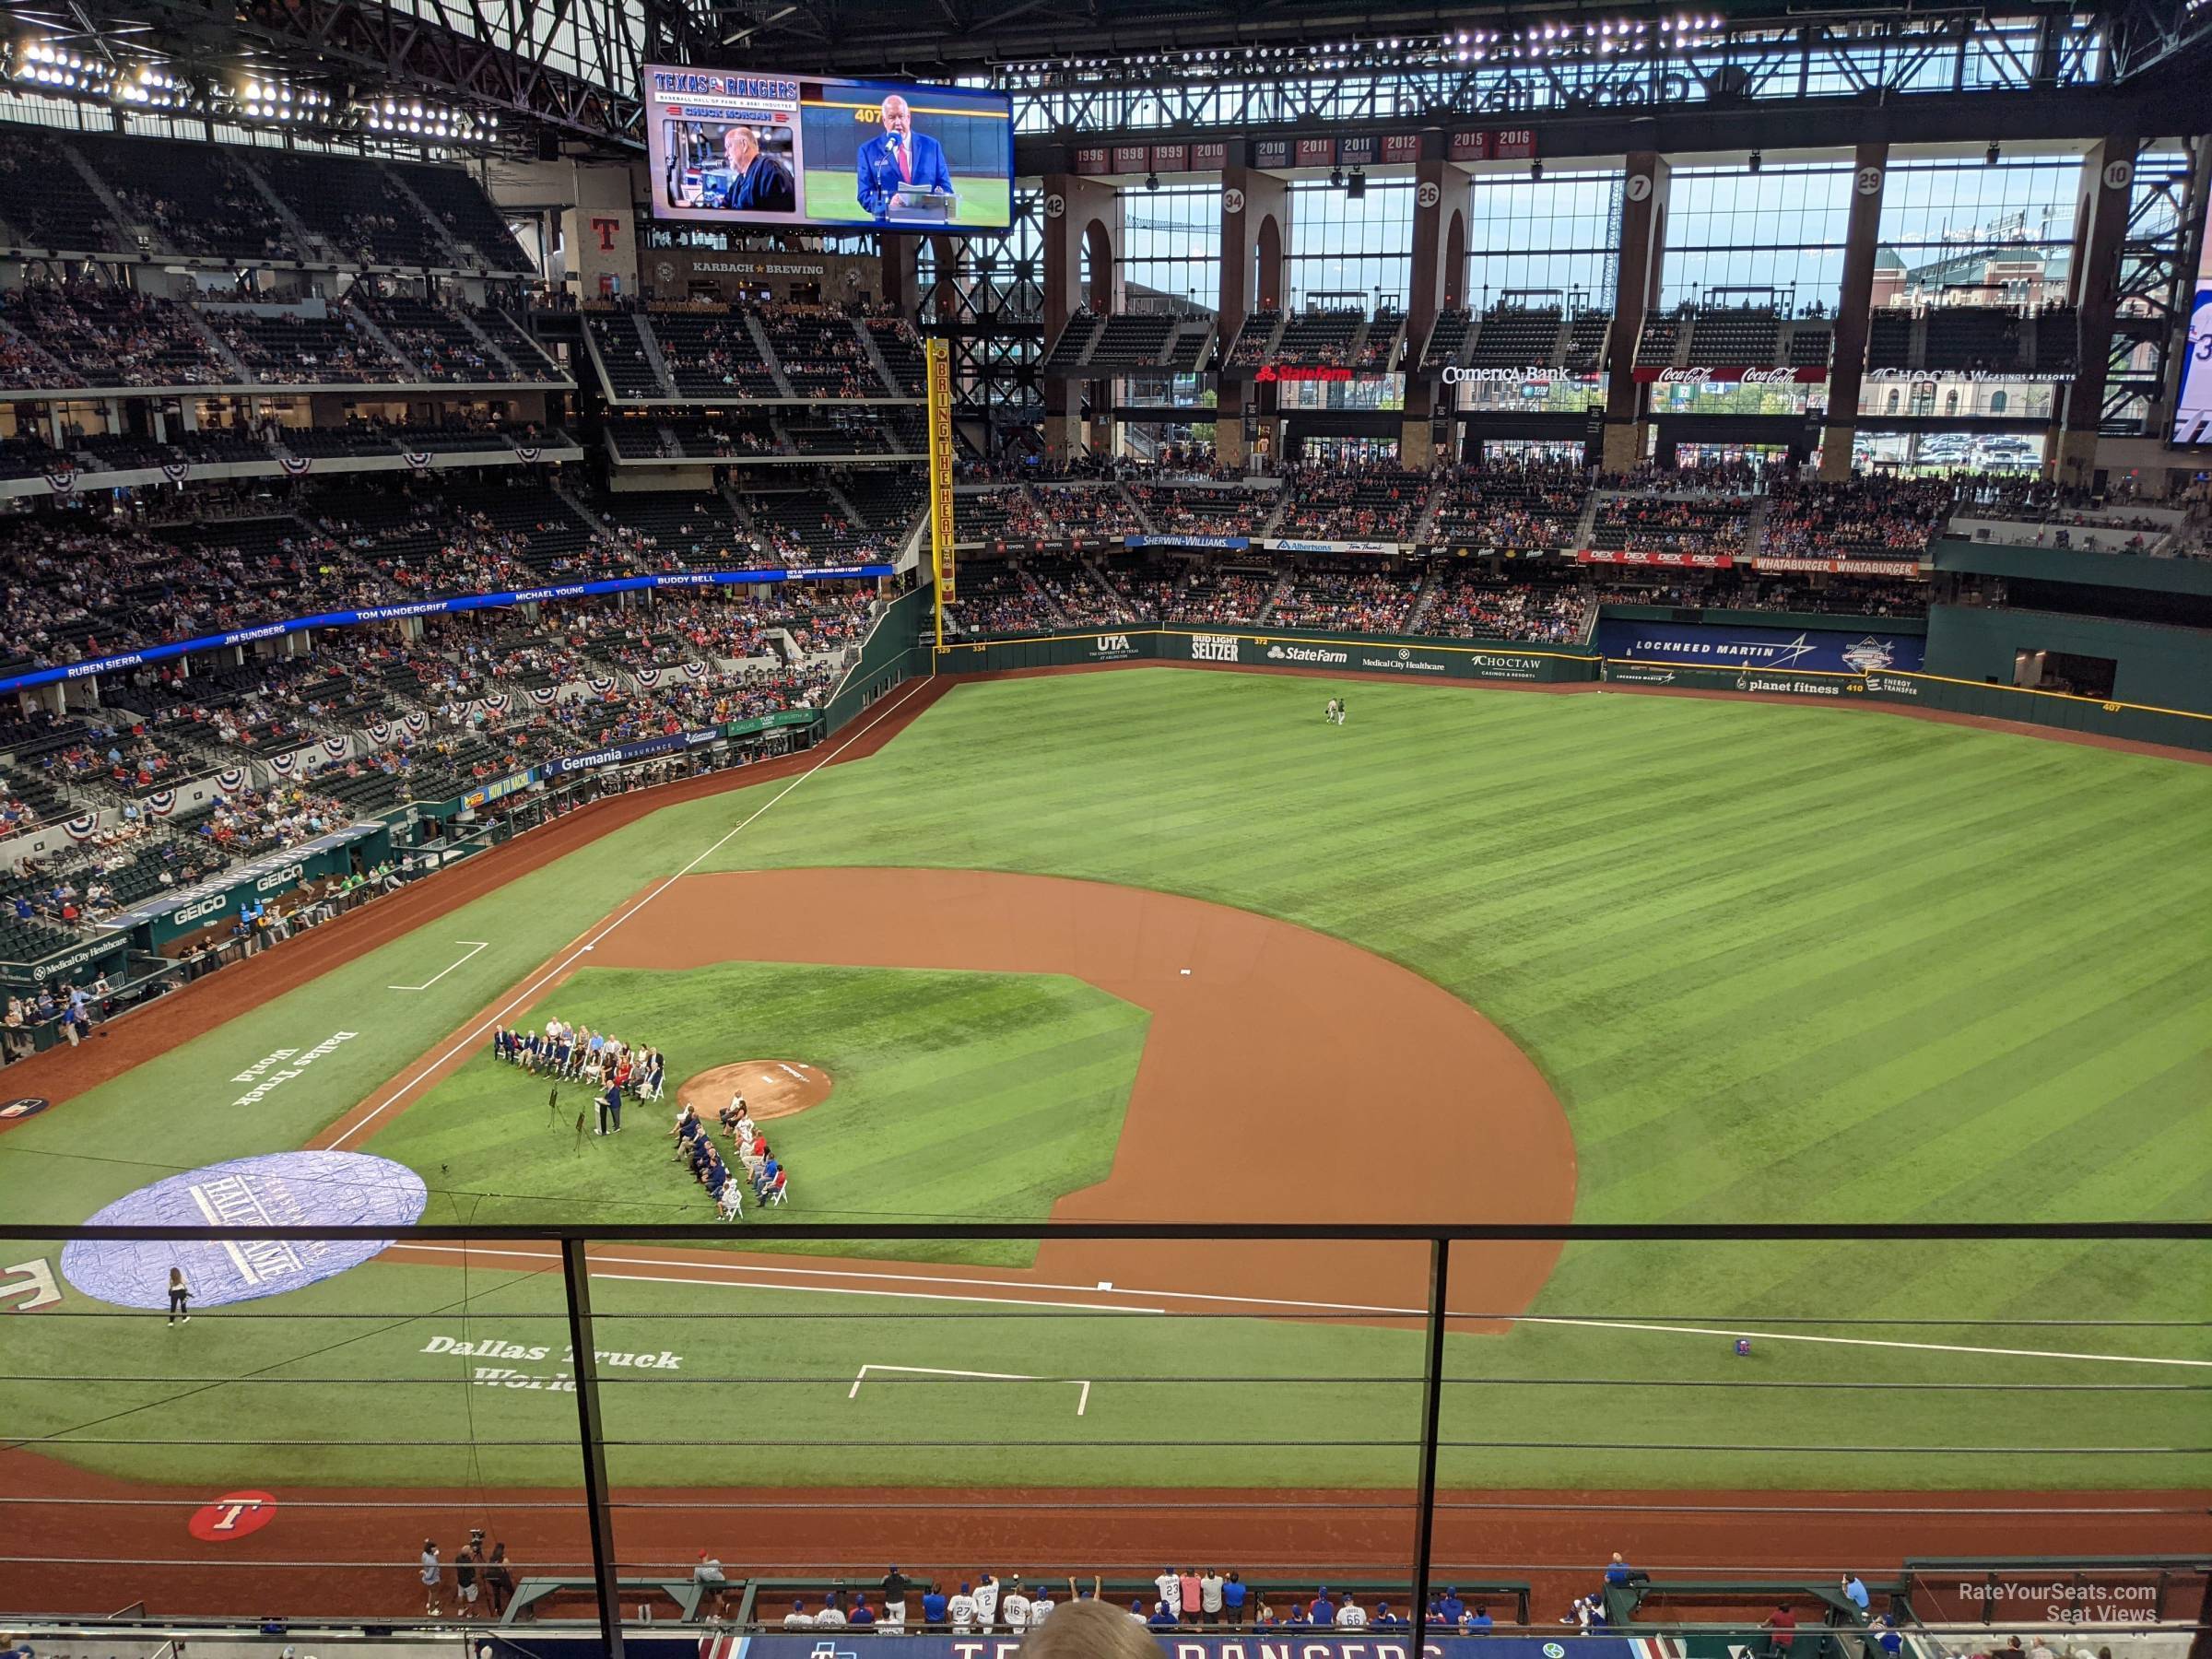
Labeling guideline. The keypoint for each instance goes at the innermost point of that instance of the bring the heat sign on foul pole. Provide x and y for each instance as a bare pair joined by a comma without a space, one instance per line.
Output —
938,363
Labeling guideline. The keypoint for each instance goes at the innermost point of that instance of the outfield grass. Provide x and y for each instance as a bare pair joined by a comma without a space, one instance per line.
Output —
975,1097
1779,963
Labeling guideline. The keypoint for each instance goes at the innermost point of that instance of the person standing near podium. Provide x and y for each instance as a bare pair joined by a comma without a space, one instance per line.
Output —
900,167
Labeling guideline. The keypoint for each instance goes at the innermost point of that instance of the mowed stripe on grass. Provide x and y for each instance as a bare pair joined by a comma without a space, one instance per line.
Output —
1780,964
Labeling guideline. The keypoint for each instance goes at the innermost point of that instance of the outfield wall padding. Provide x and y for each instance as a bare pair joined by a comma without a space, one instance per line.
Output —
1424,659
890,656
1413,657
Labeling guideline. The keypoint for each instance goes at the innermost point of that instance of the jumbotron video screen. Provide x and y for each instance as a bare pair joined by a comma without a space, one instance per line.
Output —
2192,404
740,148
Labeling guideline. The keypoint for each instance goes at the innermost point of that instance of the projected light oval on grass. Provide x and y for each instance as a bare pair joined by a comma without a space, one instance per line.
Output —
283,1189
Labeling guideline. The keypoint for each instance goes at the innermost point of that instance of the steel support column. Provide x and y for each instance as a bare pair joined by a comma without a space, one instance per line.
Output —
600,1517
1432,1403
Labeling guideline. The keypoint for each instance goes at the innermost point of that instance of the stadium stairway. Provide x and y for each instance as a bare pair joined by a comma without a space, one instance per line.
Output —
241,374
1754,528
1274,593
1424,600
98,186
652,353
877,360
1587,525
294,230
368,326
768,359
454,253
31,351
1424,526
743,519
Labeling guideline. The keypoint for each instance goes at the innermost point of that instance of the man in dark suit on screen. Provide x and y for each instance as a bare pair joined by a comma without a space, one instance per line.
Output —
902,168
758,182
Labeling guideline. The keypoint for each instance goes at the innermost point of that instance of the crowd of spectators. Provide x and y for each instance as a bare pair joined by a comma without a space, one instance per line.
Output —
1354,503
1859,518
1356,600
1233,509
1473,607
1639,524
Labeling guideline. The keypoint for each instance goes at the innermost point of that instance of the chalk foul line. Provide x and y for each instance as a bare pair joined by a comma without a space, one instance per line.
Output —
1083,1384
473,945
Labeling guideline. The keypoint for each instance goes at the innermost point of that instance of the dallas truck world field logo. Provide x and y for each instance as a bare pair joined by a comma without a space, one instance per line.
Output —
282,1189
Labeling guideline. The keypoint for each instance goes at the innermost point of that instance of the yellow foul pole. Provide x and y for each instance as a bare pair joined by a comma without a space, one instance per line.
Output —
937,361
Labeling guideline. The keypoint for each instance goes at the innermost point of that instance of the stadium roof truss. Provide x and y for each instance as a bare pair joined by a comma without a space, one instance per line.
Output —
1102,67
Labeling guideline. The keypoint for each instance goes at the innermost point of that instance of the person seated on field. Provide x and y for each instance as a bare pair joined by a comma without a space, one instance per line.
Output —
754,1155
730,1202
687,1124
745,1132
1588,1613
764,1180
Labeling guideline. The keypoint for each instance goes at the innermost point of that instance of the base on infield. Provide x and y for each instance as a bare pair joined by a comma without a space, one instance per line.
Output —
773,1089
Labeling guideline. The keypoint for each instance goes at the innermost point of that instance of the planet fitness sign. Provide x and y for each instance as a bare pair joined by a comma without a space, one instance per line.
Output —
283,1189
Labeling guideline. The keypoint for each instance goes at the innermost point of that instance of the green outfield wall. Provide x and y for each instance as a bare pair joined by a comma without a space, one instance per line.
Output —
894,652
2156,665
1412,658
1482,660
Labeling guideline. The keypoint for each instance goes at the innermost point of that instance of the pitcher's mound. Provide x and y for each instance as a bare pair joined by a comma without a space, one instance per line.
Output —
773,1089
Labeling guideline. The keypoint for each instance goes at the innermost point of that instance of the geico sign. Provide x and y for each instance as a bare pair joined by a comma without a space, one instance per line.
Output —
212,906
1456,376
278,878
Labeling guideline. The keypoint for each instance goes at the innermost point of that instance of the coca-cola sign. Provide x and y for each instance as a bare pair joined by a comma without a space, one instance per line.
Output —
1810,375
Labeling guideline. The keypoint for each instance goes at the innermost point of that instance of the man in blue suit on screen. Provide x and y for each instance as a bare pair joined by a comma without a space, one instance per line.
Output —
902,170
